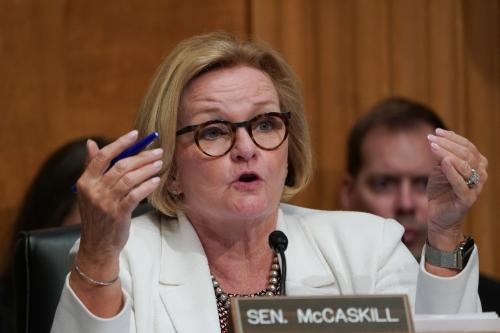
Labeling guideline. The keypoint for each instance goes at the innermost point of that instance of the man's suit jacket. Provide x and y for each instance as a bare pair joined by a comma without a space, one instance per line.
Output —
167,285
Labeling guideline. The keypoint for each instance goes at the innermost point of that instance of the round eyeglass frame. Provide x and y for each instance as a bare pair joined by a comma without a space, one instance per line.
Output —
284,116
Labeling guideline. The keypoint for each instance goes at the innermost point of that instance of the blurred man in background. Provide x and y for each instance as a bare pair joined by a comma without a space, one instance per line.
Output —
388,164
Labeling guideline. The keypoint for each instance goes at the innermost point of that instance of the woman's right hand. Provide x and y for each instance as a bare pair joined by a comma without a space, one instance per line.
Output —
106,199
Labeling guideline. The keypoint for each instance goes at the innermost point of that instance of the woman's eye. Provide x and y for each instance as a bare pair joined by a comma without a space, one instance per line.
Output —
266,125
212,133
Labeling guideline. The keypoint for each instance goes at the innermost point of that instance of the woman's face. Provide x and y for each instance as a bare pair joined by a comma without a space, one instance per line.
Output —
247,182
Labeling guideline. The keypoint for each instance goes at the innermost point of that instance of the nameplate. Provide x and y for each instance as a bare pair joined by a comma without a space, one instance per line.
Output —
370,313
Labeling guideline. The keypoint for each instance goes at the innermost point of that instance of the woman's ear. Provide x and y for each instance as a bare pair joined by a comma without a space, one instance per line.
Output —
173,185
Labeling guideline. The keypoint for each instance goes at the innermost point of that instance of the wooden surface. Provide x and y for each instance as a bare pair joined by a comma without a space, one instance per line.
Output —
79,68
350,54
72,68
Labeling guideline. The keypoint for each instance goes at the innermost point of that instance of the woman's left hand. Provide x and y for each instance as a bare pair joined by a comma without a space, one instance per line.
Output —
450,197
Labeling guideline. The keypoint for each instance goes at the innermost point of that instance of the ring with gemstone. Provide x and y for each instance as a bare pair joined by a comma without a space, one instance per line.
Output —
473,179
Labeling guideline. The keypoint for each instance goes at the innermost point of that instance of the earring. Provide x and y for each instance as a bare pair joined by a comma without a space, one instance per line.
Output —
171,183
176,195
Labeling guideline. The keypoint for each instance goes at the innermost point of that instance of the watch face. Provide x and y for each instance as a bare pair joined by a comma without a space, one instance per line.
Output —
466,249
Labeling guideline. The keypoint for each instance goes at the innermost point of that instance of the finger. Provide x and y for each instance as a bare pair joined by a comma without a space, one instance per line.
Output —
139,193
456,180
465,166
100,161
461,165
129,164
459,175
457,149
482,167
135,178
134,162
450,135
92,150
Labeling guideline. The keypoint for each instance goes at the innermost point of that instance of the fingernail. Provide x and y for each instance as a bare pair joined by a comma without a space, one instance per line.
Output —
132,134
158,164
155,180
157,151
434,146
431,137
440,131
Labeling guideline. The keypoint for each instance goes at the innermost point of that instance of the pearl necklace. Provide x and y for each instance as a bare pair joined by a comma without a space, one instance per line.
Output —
224,299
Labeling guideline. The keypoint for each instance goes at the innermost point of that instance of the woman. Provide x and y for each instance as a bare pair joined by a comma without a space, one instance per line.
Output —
233,144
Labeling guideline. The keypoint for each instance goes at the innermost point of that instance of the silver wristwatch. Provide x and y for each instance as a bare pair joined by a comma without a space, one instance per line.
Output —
456,259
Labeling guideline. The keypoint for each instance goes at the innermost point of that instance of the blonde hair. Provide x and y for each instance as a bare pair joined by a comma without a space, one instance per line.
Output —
194,57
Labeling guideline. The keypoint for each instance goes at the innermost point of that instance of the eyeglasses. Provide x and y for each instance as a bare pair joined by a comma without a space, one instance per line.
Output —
216,137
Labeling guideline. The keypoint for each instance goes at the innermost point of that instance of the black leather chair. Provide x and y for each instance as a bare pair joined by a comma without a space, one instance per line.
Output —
41,263
40,267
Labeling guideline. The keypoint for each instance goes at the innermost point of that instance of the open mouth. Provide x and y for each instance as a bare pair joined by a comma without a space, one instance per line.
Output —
248,177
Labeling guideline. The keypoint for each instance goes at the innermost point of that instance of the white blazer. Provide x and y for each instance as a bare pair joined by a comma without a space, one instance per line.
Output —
167,286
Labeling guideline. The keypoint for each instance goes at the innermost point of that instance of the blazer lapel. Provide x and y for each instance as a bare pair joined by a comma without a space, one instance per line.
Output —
185,285
307,271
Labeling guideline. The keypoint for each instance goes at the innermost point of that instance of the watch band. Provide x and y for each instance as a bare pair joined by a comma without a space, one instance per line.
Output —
456,259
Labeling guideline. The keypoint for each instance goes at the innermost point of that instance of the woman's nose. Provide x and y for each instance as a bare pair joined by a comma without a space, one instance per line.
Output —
244,148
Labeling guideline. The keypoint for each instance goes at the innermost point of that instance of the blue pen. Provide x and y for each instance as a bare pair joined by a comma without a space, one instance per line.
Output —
135,149
130,151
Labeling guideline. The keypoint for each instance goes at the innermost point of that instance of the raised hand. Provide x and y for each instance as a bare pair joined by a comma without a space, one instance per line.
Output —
453,187
106,199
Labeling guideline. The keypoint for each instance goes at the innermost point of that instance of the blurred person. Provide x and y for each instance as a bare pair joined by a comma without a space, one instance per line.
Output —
233,146
49,202
389,163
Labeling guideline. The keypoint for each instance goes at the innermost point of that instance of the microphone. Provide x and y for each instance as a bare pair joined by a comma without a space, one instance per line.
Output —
278,243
